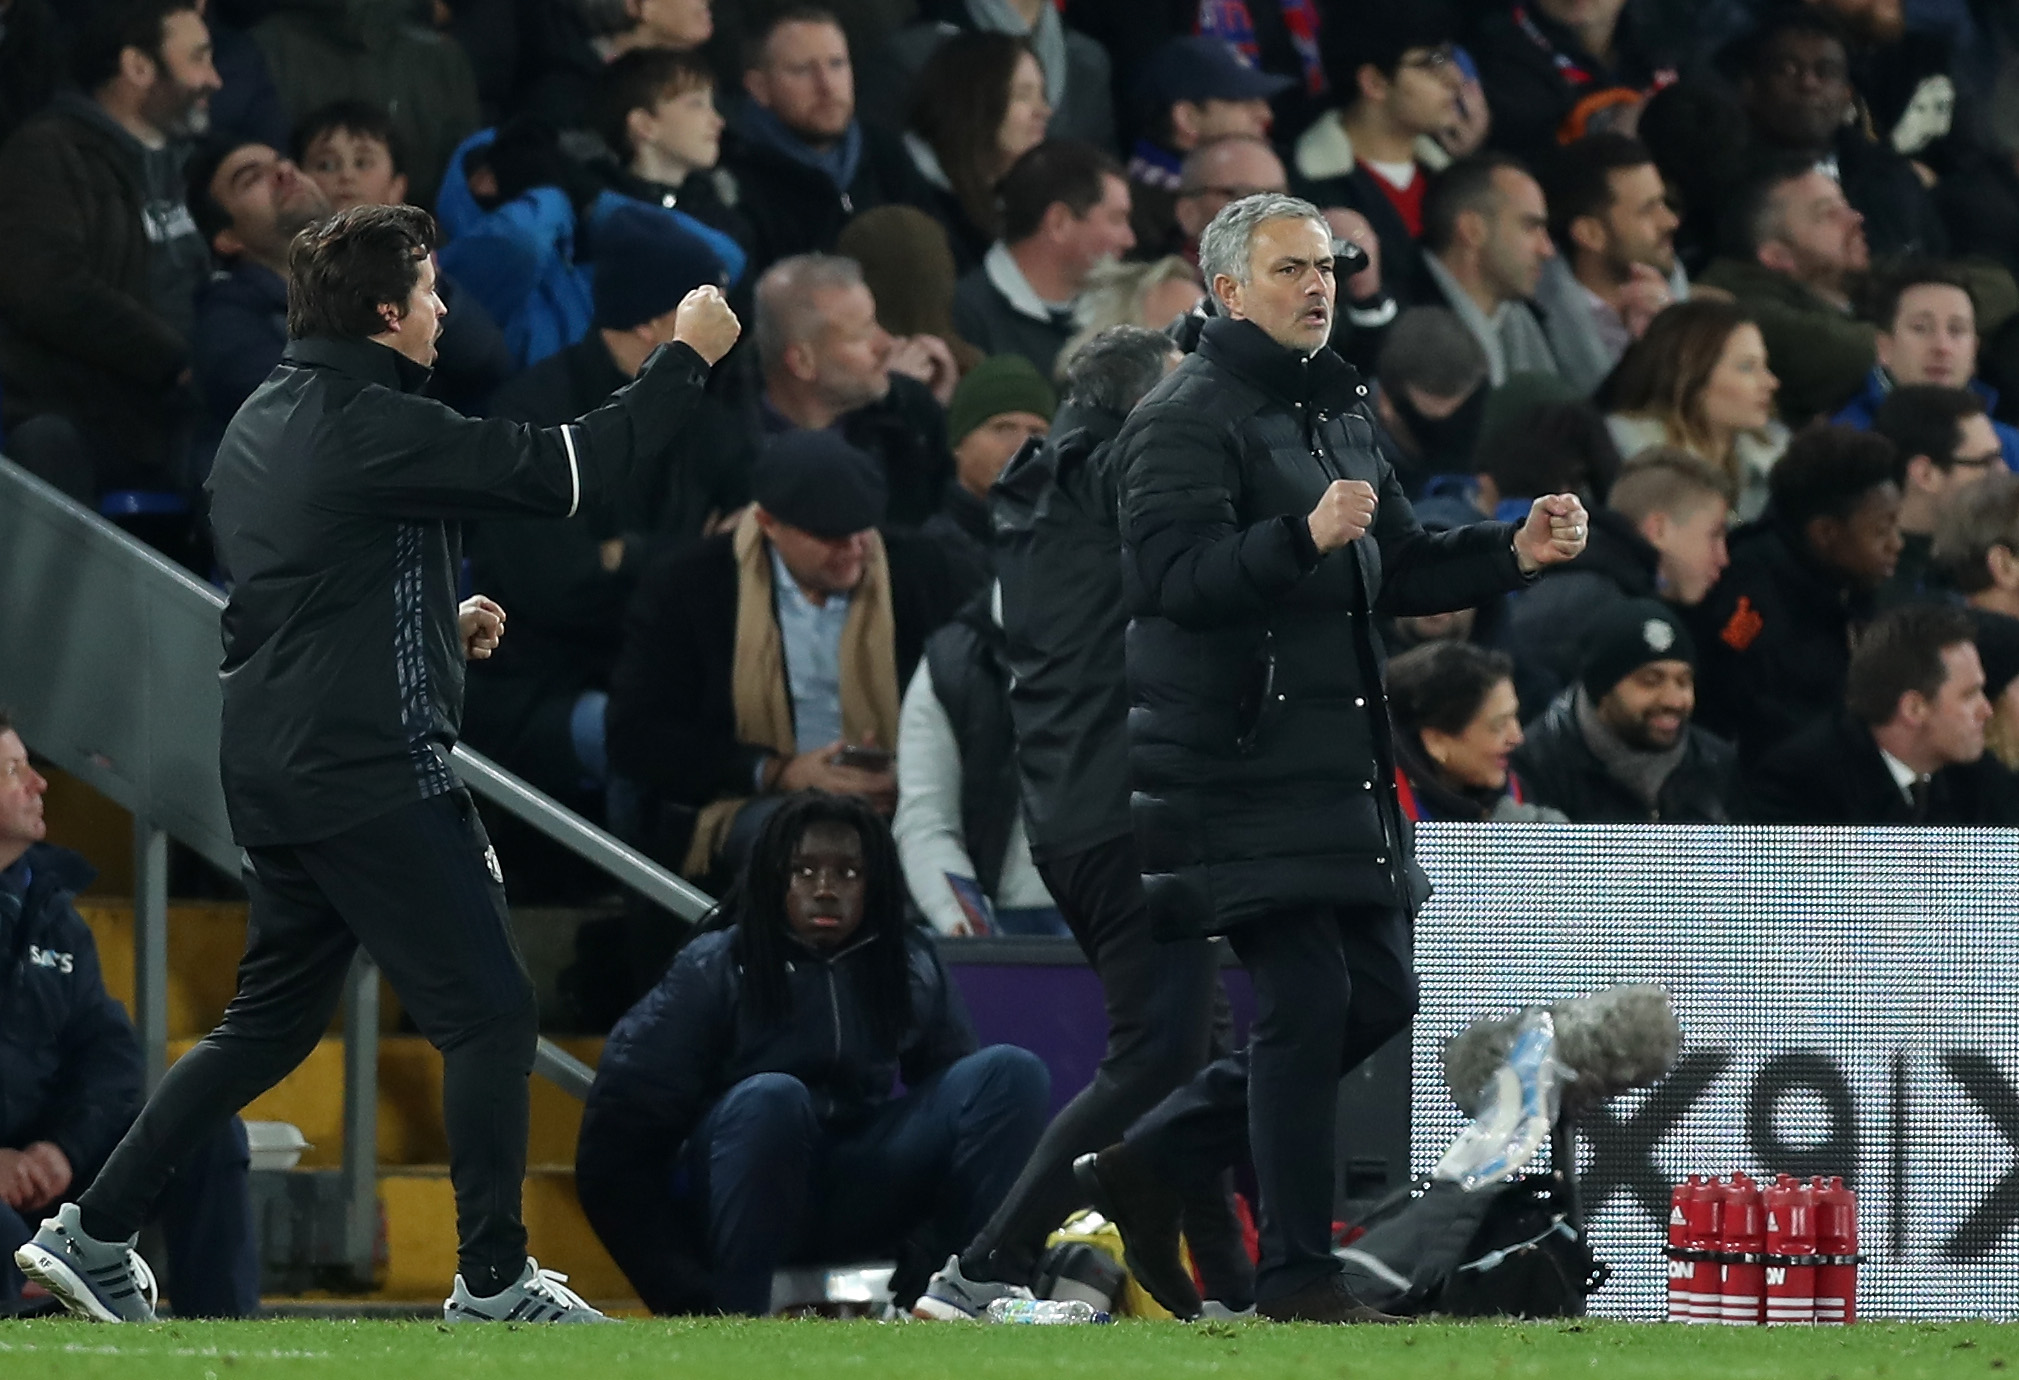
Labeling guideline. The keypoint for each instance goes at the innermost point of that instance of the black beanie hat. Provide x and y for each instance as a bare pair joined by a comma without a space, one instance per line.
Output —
1627,638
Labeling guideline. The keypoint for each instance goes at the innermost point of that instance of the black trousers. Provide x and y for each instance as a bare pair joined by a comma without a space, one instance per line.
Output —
1331,987
414,887
1162,1001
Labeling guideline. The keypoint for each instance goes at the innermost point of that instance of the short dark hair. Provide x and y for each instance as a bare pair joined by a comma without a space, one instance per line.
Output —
342,269
1967,532
204,207
1827,472
1745,56
1901,650
639,80
759,37
1071,171
1377,36
360,119
1116,368
1926,419
1442,685
112,27
1557,446
1577,178
1882,299
1466,185
1430,348
1750,217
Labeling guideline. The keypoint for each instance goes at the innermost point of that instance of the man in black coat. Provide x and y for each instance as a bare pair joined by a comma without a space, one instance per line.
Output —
1776,632
74,1075
1908,746
1618,747
1261,531
337,500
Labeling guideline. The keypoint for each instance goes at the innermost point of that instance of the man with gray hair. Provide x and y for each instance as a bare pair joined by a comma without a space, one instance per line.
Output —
1261,529
829,365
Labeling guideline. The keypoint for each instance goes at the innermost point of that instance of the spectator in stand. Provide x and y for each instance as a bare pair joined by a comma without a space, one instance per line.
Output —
248,203
1001,405
667,26
959,831
360,50
1775,634
1927,319
1556,71
100,261
539,703
908,268
1698,135
1486,230
1150,294
801,161
1213,175
1076,73
351,150
74,1075
828,364
768,660
1793,246
1065,210
1191,91
1998,647
1795,83
1431,396
745,1114
1946,448
1698,379
1618,746
1457,724
1907,744
1977,547
32,60
1535,439
978,107
1616,266
1661,534
658,117
1394,68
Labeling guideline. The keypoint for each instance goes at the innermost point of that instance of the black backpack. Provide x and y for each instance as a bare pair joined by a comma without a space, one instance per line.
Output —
1510,1249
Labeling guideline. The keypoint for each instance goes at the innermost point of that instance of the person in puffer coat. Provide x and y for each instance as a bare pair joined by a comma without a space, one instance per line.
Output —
1262,529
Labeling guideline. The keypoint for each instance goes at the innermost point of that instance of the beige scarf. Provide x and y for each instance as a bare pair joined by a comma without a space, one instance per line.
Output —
759,688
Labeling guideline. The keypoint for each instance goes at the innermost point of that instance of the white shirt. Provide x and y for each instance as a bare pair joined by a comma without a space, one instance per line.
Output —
1904,776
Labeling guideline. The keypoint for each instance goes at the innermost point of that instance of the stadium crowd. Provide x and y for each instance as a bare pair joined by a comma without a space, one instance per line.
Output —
1740,274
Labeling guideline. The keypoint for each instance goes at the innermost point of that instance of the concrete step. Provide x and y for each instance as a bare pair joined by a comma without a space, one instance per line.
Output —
420,1209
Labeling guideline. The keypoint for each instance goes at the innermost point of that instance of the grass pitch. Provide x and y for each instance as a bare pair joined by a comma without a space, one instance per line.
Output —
664,1350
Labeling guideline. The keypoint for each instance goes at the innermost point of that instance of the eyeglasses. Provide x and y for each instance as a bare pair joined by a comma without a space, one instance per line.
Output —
1439,59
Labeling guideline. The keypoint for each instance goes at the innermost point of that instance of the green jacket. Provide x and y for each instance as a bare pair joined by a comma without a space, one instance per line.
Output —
327,50
1819,352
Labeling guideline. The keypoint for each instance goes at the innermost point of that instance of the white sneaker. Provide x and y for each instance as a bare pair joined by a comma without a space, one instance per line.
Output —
105,1281
538,1296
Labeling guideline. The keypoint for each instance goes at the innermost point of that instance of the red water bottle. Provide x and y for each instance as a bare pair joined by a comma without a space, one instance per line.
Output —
1679,1249
1836,1251
1791,1253
1703,1207
1744,1244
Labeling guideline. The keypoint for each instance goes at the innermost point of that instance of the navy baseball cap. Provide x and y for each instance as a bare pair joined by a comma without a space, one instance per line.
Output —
817,482
1196,68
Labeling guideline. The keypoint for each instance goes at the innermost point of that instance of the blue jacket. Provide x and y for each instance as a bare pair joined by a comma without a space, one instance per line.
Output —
1860,410
519,258
70,1067
688,1041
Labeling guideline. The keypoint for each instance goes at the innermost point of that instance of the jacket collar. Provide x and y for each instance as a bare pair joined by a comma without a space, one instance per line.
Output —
1245,349
1619,550
1007,278
1325,150
361,359
52,871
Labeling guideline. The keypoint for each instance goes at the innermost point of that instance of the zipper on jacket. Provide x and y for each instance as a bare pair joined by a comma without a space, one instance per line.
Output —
834,1005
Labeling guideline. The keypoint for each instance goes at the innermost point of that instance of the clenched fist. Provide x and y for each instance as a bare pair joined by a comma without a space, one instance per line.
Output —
1344,514
705,324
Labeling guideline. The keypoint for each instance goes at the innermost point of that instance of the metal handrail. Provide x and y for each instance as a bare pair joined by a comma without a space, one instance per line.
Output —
108,659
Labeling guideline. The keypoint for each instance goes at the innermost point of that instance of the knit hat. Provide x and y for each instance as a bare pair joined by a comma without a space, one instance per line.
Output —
909,268
1627,638
817,482
999,384
645,263
1998,649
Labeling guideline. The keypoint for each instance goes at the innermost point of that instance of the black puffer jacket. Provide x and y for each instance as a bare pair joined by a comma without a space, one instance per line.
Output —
1258,749
1058,557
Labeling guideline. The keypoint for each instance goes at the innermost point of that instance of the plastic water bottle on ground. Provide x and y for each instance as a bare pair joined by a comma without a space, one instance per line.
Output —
1043,1311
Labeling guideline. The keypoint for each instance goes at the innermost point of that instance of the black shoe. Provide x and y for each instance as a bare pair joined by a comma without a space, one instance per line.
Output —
1327,1300
1147,1212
